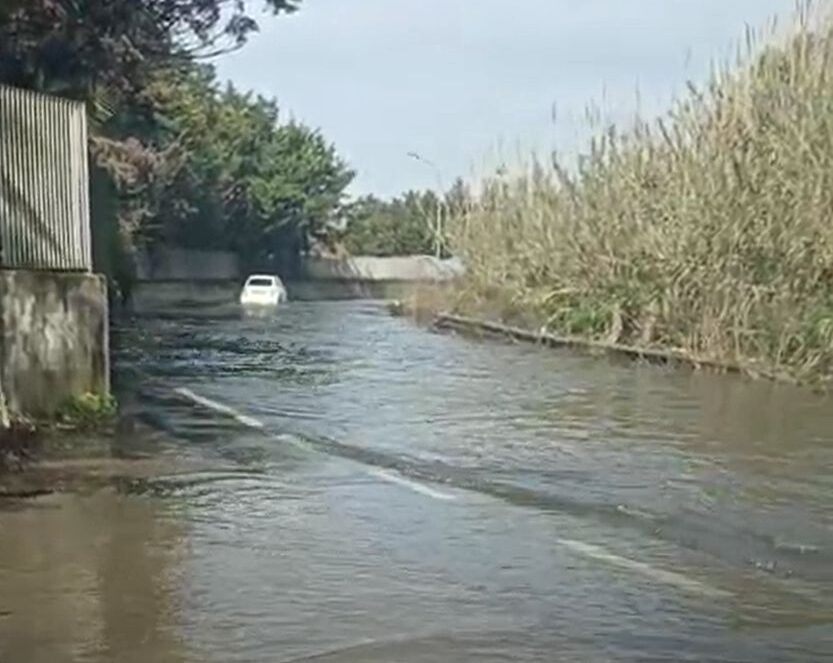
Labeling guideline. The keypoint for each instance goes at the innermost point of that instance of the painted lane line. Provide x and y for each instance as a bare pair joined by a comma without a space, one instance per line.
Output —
588,550
251,422
420,488
667,577
244,419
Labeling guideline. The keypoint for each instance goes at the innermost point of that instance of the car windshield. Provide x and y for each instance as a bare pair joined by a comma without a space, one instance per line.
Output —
261,283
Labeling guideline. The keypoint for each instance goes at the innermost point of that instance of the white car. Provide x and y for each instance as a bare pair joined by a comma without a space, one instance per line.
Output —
263,290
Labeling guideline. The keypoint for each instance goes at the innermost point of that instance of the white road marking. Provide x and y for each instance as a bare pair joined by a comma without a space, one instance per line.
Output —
251,422
422,489
586,549
244,419
668,577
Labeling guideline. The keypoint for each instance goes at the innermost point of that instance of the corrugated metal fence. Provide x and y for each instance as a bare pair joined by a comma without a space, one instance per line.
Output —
44,183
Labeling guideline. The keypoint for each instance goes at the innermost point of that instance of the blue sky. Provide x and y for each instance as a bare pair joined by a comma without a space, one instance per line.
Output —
468,83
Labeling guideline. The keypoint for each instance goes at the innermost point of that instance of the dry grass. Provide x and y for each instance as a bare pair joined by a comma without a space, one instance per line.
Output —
424,300
710,231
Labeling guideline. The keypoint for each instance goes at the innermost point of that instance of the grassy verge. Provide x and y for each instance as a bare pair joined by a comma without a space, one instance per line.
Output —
709,232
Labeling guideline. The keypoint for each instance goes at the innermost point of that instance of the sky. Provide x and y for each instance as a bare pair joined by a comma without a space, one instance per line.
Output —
470,84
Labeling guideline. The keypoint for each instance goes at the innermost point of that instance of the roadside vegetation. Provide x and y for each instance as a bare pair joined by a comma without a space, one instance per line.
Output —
90,412
709,231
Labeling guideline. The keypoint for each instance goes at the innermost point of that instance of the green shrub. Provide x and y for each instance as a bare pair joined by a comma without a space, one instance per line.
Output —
89,411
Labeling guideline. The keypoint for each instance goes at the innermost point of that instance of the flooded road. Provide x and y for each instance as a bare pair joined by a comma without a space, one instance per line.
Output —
333,484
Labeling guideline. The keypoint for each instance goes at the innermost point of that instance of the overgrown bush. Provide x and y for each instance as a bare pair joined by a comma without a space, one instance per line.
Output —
91,411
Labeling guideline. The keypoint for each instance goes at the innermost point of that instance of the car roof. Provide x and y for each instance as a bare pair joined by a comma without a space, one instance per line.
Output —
263,276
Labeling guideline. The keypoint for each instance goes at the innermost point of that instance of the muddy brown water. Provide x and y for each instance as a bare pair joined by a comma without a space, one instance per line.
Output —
333,484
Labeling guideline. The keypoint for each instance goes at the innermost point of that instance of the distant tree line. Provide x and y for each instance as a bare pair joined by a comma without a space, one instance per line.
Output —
413,223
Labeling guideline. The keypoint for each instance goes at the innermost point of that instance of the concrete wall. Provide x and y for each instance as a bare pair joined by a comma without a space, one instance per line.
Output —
53,339
371,269
187,265
367,277
182,277
179,277
161,295
332,289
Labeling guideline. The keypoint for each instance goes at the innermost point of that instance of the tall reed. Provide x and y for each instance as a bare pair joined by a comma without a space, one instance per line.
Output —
708,231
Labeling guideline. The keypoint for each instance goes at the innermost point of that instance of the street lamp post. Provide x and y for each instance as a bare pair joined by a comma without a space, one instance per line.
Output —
438,224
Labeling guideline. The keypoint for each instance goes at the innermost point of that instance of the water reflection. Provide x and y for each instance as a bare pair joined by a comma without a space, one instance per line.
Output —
93,578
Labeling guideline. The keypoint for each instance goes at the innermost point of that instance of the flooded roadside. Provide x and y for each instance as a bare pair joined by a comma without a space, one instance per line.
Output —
342,486
88,577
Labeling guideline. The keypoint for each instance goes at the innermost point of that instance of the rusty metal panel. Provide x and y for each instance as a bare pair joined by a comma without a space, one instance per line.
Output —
44,183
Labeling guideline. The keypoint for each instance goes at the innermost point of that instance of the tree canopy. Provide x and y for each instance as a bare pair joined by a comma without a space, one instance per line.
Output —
186,161
72,47
179,159
250,182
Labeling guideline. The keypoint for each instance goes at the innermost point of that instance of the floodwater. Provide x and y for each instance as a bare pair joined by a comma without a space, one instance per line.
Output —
332,484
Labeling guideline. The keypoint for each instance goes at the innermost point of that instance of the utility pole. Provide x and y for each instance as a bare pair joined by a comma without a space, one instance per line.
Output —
440,212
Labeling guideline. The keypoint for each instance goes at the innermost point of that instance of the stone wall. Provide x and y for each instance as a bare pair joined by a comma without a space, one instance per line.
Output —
53,339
